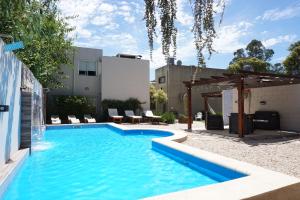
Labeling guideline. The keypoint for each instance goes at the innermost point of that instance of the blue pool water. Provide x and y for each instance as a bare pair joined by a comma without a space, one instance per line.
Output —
103,163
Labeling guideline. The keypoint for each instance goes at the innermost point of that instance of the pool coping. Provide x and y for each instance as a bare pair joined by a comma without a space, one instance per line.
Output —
259,184
9,170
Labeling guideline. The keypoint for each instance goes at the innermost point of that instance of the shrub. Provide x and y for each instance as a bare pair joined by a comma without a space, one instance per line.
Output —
129,104
168,118
182,118
72,105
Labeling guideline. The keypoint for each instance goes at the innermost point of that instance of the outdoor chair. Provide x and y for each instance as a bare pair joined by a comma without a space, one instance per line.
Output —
55,119
153,118
114,115
198,116
134,118
89,119
73,120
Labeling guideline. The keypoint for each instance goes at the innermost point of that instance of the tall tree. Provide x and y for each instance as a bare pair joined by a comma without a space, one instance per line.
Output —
203,28
277,68
240,53
292,62
255,49
255,55
44,33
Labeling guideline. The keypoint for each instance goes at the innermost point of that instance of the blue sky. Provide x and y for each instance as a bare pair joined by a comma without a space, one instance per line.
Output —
118,27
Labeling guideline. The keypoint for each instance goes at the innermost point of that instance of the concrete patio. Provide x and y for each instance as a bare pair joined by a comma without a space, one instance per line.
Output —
275,150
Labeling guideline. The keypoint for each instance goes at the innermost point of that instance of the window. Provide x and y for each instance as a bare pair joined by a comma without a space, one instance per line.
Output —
162,79
87,68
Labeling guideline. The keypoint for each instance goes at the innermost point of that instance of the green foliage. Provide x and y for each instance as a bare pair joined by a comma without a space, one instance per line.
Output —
182,118
168,118
44,33
152,94
277,68
203,28
157,95
294,45
72,105
254,55
257,64
160,96
255,49
292,62
129,104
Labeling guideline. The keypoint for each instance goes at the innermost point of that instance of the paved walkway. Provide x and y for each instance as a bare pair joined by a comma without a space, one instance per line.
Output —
277,151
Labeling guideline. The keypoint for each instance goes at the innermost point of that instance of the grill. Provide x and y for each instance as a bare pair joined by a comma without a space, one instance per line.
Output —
214,122
267,120
248,123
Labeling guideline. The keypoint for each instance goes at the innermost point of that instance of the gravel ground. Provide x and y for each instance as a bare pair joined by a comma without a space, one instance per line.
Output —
280,154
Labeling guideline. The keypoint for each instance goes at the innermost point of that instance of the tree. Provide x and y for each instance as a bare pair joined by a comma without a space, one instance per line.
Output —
257,64
292,62
277,68
294,45
203,28
254,55
157,96
44,33
256,49
240,53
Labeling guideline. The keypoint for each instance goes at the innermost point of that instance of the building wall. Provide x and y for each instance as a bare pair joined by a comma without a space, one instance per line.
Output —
10,79
284,99
123,78
175,89
81,85
117,78
227,105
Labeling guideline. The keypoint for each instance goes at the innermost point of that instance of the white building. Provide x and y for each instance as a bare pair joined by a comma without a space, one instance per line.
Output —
101,77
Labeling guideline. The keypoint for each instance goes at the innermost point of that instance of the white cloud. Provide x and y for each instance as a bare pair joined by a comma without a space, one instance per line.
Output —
276,40
218,6
184,17
105,21
229,37
84,33
106,7
278,14
101,13
124,42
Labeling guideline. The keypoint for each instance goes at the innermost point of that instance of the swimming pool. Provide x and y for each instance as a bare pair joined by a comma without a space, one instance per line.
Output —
104,162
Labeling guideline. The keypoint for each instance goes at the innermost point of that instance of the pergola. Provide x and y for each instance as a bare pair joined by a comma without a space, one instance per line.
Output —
210,95
242,80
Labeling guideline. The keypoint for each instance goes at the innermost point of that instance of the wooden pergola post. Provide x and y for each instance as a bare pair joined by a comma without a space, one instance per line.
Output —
190,119
240,88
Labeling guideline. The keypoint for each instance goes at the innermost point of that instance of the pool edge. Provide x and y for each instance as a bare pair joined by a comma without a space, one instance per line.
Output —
260,183
10,170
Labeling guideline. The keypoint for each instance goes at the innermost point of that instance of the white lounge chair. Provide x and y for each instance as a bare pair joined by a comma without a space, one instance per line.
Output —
73,120
114,115
130,114
153,118
89,119
55,119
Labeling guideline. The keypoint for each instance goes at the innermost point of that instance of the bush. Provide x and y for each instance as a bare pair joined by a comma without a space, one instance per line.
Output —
72,105
182,118
168,118
129,104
